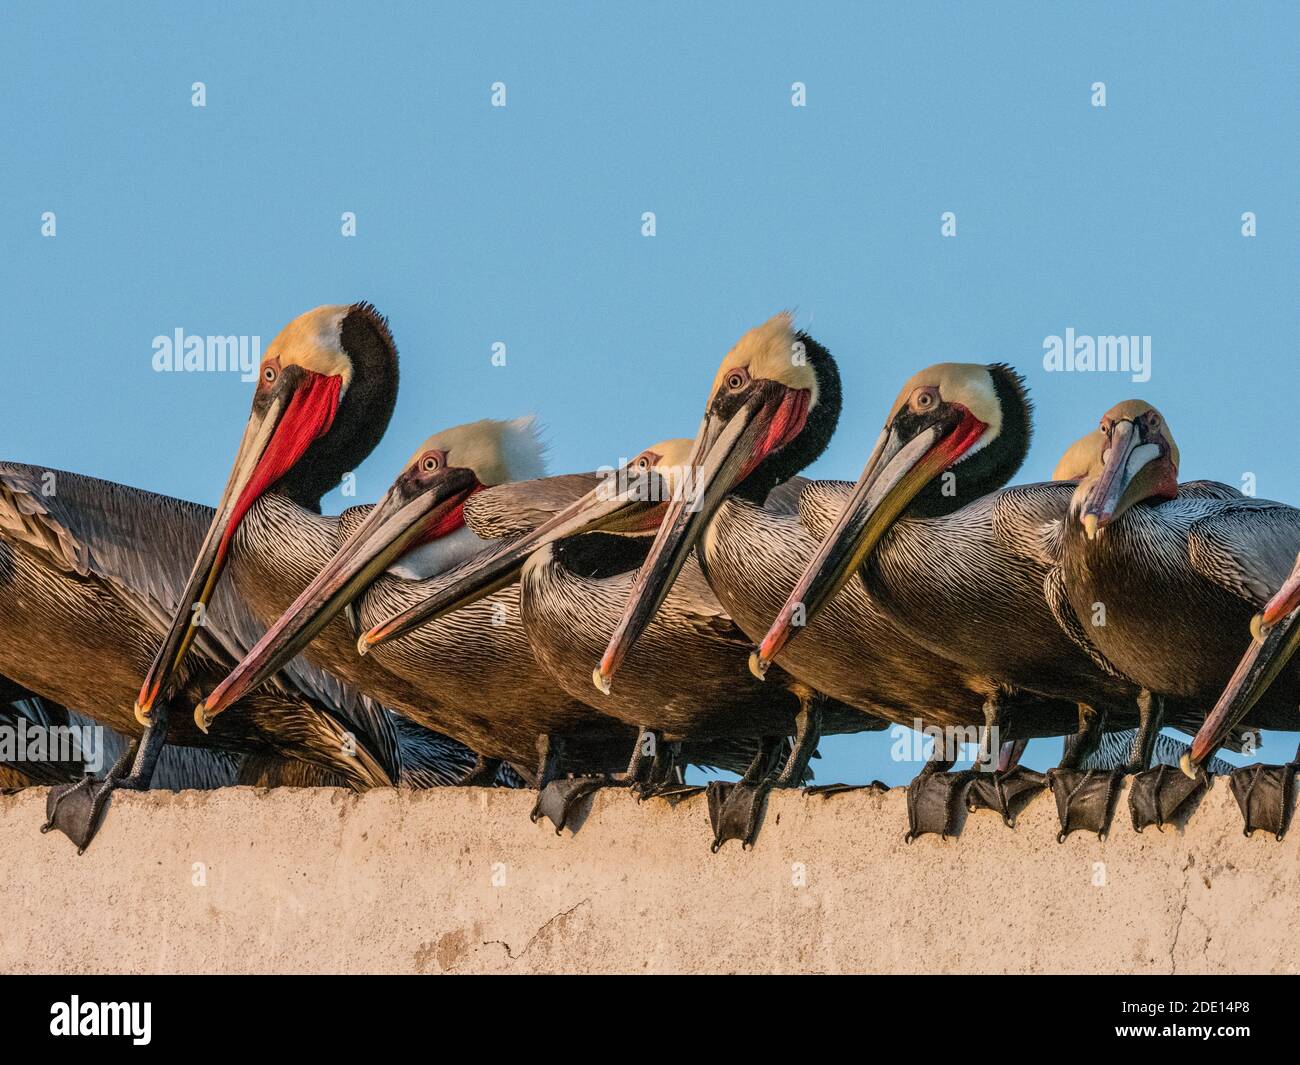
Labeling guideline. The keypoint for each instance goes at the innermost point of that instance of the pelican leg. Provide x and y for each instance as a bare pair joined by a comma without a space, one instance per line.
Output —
550,800
483,774
558,800
1004,787
1265,795
735,810
1156,794
1151,717
1082,744
77,810
666,780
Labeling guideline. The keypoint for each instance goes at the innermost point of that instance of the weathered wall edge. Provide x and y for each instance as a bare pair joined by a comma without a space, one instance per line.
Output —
459,880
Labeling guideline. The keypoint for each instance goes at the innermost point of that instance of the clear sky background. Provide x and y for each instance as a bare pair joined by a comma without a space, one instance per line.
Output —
523,225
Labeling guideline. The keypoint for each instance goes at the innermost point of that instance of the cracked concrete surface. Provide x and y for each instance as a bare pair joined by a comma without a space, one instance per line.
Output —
459,880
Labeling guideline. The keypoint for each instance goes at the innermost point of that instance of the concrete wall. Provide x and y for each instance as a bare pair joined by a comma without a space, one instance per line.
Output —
307,881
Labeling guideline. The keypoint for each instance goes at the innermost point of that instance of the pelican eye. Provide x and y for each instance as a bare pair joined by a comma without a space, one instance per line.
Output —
924,399
431,463
736,380
268,374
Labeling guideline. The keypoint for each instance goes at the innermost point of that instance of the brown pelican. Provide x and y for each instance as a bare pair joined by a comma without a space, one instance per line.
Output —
95,550
1179,571
773,406
576,571
474,671
1087,781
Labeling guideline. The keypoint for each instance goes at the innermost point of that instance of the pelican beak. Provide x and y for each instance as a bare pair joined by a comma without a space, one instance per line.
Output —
1264,659
403,519
897,470
611,506
286,419
1284,602
727,449
1131,472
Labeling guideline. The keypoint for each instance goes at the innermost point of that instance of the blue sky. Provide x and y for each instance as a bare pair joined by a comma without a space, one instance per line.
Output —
522,224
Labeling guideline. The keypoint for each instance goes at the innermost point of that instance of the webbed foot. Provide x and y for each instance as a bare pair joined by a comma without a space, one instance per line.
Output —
1264,793
933,800
1008,792
1085,799
672,792
77,810
560,799
1157,794
736,811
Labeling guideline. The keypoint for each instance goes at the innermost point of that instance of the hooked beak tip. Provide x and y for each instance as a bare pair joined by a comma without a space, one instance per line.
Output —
758,665
602,680
1189,764
363,644
1259,626
1090,523
144,712
201,718
1276,609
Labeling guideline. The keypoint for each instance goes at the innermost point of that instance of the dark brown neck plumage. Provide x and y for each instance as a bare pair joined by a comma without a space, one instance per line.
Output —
363,414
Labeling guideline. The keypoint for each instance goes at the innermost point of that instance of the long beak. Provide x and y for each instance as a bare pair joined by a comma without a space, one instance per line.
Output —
894,474
396,525
211,560
724,453
1268,653
1125,458
606,507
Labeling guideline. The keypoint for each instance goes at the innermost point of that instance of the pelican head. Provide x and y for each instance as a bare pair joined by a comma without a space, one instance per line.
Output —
1080,458
425,503
1138,461
630,501
955,432
325,392
772,408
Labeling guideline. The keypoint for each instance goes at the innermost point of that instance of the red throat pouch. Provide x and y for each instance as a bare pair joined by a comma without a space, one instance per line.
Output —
308,417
